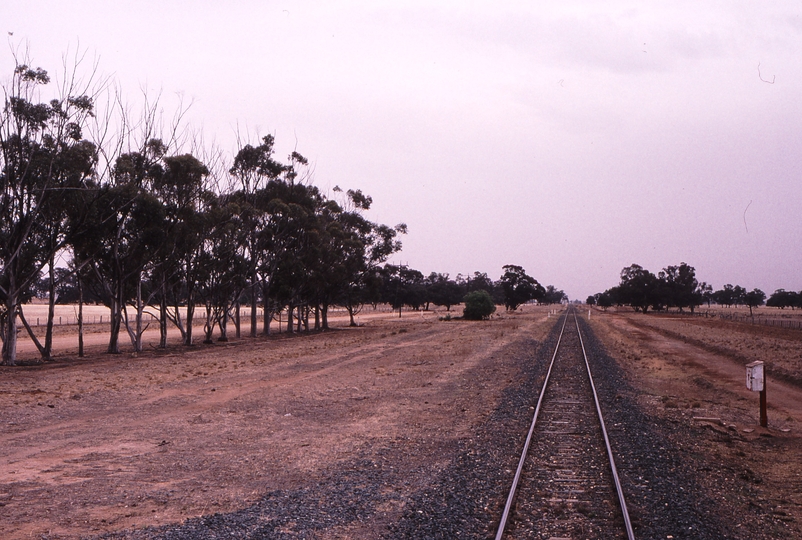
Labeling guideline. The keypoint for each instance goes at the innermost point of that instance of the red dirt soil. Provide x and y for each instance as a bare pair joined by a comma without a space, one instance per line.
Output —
108,443
115,442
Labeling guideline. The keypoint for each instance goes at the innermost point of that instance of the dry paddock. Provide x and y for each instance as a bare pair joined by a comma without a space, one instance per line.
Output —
399,429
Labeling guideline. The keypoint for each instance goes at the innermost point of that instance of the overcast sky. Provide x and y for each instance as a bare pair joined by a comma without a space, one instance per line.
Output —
570,138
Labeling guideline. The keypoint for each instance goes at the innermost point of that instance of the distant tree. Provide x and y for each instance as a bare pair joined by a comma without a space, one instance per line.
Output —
519,287
604,300
66,287
706,291
754,298
675,286
679,288
739,295
403,286
442,291
591,300
554,296
615,295
481,281
729,295
638,288
478,305
783,299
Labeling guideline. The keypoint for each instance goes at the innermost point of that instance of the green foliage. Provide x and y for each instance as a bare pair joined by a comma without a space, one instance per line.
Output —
442,291
44,164
554,295
677,286
754,298
783,299
478,305
730,295
638,287
519,287
604,300
403,286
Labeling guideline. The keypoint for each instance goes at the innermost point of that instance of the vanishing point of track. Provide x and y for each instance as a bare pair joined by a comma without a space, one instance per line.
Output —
566,484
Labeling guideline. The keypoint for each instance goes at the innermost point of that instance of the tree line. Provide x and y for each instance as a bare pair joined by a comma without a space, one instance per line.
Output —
677,287
403,286
141,220
98,206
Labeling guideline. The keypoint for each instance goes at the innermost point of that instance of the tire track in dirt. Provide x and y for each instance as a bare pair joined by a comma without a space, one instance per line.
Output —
785,398
149,440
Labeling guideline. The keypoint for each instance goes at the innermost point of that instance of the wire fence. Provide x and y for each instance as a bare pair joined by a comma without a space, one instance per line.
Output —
794,323
150,317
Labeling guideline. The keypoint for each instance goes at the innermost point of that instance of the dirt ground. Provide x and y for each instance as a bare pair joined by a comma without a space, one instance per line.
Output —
108,443
119,442
691,370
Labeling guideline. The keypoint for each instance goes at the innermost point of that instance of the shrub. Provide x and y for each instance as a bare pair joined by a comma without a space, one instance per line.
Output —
478,305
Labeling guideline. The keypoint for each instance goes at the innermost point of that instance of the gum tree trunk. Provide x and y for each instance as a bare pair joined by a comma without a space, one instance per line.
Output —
10,325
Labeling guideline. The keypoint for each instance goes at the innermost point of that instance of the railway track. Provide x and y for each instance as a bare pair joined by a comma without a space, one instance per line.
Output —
566,485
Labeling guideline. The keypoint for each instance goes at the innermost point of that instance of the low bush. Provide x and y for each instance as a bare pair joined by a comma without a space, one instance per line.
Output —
478,306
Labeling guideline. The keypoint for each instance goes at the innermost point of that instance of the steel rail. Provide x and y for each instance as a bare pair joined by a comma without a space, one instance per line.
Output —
619,490
511,497
513,489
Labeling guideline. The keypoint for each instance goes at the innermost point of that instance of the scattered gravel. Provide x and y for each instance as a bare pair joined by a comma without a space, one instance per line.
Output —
425,489
658,479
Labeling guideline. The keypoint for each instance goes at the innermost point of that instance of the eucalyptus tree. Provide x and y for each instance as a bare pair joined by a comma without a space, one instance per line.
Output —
706,292
127,234
638,287
253,169
222,268
443,291
680,287
43,156
729,295
403,286
519,287
295,241
754,298
554,295
481,281
605,299
60,216
356,248
184,193
783,299
328,254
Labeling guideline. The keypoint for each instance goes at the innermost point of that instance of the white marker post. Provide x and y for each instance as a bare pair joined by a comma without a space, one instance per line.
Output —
756,382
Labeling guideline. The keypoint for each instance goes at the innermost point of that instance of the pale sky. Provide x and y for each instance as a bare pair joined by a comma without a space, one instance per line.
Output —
571,138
